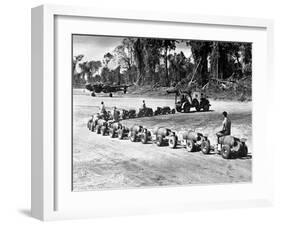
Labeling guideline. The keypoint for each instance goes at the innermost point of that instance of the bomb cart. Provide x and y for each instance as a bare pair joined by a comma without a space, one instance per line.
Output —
99,124
139,133
161,136
192,141
126,114
111,128
145,112
123,132
164,111
232,147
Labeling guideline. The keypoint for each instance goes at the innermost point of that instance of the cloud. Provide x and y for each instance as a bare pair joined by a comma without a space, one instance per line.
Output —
94,47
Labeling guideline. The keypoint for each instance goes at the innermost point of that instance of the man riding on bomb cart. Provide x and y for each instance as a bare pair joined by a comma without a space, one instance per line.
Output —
226,129
227,145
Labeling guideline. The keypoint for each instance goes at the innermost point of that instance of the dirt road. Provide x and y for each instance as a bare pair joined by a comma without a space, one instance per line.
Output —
101,163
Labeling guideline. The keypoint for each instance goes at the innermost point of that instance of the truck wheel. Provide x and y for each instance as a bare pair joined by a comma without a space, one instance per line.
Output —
159,141
98,129
110,95
133,137
178,108
173,141
102,130
205,147
226,152
198,108
186,108
244,151
173,111
190,147
120,134
112,133
144,138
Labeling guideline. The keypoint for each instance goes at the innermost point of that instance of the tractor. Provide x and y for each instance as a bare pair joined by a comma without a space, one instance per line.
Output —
139,133
192,141
161,136
232,147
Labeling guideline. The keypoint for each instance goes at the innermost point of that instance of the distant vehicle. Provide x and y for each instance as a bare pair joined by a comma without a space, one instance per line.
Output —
185,101
100,87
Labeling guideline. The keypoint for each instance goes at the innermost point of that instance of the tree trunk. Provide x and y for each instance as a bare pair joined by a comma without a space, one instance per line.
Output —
166,67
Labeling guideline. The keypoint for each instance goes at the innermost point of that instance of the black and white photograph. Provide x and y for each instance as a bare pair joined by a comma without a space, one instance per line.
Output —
152,112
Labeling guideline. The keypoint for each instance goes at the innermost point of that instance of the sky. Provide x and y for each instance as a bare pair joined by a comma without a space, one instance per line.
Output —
95,47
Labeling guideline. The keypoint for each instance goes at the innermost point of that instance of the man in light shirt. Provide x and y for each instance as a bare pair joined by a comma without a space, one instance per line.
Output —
115,115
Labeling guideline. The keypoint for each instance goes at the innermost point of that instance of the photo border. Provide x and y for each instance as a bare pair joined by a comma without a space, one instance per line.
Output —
44,162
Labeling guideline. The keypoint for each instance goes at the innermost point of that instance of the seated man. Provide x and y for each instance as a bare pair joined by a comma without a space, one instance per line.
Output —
115,115
226,127
103,112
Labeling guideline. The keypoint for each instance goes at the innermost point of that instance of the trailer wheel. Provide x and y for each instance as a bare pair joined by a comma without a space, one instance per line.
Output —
159,140
206,107
133,137
144,138
102,130
173,141
178,108
112,133
186,108
120,134
226,152
205,147
237,148
244,151
190,147
98,129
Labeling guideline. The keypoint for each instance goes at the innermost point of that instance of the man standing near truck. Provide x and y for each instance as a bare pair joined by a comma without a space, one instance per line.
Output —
143,104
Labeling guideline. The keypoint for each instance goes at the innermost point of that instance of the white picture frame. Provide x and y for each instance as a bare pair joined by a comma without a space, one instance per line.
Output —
47,160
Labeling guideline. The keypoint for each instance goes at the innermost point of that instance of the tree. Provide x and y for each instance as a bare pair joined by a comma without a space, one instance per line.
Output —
107,58
200,53
76,75
139,59
124,53
75,61
88,68
167,45
180,67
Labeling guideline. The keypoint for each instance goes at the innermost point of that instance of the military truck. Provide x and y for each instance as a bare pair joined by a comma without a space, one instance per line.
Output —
186,100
